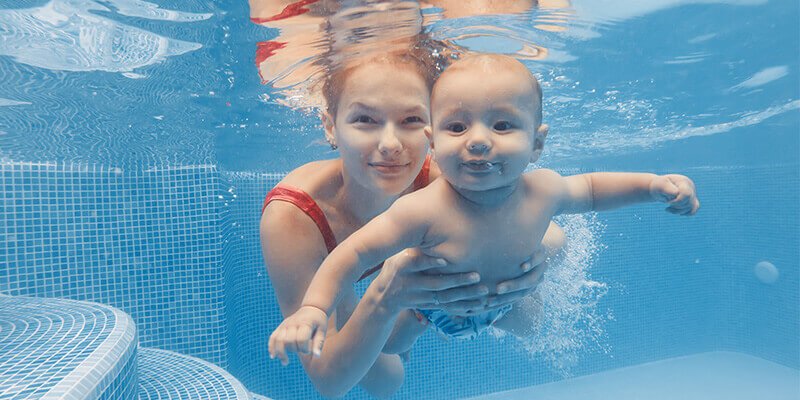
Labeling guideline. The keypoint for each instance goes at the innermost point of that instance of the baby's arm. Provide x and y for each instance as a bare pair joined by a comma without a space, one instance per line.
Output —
609,190
400,227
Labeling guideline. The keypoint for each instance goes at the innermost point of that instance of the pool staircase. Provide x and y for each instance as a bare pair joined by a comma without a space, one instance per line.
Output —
67,349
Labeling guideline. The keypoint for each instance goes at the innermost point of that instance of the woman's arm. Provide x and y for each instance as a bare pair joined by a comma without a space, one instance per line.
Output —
293,249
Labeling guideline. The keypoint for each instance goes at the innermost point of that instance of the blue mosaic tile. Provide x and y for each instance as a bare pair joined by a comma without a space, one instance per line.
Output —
64,349
142,240
165,375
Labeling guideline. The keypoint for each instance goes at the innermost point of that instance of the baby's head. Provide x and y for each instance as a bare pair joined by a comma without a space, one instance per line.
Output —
486,121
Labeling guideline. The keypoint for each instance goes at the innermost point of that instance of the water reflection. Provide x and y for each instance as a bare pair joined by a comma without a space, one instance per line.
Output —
317,36
70,35
621,97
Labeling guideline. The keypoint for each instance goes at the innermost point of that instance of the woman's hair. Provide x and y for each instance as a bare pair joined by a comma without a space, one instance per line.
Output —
426,57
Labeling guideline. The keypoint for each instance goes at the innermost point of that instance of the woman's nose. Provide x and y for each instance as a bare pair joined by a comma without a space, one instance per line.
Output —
389,143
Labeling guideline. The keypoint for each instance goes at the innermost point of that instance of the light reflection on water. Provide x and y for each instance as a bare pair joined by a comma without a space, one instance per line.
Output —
588,115
69,35
618,76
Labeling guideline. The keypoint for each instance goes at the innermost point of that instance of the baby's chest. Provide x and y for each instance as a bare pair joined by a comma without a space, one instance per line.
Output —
494,247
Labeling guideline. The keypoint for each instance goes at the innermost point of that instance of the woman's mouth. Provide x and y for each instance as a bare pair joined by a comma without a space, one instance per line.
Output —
389,168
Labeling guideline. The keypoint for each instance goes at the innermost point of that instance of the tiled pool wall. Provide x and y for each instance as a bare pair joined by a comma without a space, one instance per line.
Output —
178,249
143,240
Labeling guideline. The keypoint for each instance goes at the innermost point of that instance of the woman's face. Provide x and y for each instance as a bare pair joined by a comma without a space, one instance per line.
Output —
379,126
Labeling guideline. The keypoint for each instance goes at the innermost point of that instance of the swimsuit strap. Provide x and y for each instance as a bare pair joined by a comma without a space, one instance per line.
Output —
422,178
305,203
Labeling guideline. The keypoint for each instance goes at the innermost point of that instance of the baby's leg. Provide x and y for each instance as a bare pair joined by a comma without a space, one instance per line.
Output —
408,327
523,320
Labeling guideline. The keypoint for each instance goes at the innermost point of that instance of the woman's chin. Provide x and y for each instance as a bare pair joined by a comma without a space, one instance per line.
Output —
392,185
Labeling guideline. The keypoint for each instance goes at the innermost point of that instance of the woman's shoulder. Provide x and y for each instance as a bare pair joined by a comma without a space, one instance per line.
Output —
289,238
286,223
314,177
313,180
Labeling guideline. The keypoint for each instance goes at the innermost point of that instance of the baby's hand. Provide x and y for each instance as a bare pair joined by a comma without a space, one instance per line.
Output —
677,191
300,333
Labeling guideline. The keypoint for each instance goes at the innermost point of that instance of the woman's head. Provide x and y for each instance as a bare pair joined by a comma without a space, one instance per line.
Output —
377,109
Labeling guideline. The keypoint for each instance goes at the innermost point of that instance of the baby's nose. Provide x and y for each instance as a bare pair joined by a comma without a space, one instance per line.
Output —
479,142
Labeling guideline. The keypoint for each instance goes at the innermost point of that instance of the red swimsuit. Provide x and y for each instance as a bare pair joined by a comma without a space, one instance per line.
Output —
305,203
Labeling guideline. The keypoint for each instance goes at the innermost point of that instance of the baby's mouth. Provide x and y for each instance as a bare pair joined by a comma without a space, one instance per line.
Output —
481,166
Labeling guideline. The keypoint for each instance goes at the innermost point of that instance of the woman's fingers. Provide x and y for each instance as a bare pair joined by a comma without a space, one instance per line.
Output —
446,281
525,283
413,260
461,307
459,293
537,258
501,300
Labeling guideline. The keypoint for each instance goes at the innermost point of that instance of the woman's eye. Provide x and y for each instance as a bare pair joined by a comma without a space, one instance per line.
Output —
364,119
456,127
502,126
413,120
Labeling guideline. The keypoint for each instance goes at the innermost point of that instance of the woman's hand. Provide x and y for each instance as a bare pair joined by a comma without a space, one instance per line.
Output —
532,270
403,284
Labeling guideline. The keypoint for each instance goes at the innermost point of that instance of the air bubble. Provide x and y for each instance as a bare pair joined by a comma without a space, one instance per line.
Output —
572,324
766,272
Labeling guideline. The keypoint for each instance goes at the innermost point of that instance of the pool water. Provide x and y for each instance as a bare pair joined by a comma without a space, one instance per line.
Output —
138,139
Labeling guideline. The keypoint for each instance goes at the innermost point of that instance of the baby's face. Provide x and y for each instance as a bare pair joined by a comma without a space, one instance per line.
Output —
484,126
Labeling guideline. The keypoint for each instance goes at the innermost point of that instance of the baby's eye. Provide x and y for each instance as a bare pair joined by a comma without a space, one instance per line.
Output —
501,126
363,119
413,120
456,127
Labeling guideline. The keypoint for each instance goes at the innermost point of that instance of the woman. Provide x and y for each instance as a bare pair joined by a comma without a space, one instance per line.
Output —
377,109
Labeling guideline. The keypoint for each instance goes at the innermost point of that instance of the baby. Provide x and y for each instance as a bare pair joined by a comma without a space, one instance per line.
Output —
483,210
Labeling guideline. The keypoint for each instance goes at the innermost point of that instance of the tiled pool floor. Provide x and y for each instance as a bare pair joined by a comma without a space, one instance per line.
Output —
704,376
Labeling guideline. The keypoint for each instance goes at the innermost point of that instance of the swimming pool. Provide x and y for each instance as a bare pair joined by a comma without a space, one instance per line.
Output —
137,142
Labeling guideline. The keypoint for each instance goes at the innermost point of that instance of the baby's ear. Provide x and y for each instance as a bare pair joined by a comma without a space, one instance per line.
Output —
538,141
543,130
328,125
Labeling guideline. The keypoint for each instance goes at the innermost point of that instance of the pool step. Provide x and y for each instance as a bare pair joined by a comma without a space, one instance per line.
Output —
168,375
67,349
